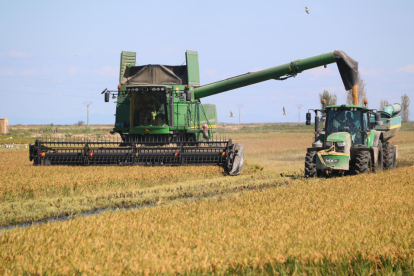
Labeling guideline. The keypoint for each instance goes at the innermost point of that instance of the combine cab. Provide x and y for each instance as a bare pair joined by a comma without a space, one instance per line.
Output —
353,140
161,120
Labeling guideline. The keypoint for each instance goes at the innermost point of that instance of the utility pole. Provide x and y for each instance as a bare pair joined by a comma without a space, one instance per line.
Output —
87,104
239,106
299,106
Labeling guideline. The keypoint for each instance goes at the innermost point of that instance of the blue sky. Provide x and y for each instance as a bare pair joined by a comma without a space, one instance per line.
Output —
55,55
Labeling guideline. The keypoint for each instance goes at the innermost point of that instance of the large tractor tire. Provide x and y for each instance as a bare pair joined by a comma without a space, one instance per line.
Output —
380,163
390,157
310,164
362,163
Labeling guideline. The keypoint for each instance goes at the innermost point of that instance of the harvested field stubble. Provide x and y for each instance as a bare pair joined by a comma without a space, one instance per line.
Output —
334,220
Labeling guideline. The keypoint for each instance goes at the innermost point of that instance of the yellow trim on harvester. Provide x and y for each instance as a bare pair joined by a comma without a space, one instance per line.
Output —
212,126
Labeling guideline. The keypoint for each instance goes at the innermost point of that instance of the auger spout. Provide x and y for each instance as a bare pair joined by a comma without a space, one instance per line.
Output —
348,69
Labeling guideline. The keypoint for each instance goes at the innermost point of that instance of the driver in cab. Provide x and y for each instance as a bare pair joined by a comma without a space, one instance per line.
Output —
346,122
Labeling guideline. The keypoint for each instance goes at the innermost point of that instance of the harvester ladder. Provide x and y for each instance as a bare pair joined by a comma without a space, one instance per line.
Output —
210,129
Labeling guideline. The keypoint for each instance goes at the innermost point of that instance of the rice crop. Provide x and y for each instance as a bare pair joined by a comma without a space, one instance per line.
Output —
29,193
336,221
267,220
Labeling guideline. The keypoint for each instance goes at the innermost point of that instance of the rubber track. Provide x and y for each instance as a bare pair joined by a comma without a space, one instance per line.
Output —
310,164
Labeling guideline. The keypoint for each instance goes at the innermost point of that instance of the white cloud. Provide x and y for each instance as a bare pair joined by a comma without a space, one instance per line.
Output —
212,72
407,69
28,72
225,76
6,72
372,72
14,72
108,71
16,54
73,70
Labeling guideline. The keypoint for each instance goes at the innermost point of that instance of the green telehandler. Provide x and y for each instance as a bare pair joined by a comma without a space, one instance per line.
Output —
352,139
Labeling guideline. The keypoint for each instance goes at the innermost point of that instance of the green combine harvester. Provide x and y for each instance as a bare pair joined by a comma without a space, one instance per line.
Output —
353,140
162,121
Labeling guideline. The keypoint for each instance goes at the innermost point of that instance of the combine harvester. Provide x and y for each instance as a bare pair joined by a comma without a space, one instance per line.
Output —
161,120
353,139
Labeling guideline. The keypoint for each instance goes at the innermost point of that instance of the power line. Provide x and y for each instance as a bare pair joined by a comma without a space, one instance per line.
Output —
46,94
31,85
54,80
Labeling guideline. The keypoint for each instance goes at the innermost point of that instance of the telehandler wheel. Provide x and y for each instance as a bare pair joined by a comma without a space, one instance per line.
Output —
363,163
390,158
380,162
310,164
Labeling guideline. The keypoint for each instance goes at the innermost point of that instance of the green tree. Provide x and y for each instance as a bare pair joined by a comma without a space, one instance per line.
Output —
330,99
362,92
383,103
405,111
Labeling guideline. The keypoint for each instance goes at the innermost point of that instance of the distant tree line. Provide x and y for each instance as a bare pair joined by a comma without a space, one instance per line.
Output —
331,99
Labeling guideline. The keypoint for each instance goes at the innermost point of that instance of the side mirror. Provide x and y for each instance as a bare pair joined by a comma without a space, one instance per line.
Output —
308,119
106,97
378,121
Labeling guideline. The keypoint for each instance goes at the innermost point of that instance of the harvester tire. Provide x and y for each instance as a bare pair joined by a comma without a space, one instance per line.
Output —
310,164
390,160
363,163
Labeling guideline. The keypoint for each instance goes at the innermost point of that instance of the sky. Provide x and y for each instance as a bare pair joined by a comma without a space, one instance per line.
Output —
57,55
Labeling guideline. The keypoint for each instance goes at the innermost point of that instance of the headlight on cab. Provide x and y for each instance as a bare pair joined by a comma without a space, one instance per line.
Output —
329,143
340,144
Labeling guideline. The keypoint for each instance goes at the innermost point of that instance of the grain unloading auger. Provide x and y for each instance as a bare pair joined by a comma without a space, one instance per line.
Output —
161,120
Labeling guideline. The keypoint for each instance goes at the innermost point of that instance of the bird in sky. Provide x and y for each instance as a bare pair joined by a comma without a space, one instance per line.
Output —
231,114
307,10
284,112
76,55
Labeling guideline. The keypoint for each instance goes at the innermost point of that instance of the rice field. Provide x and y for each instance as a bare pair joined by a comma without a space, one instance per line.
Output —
267,220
